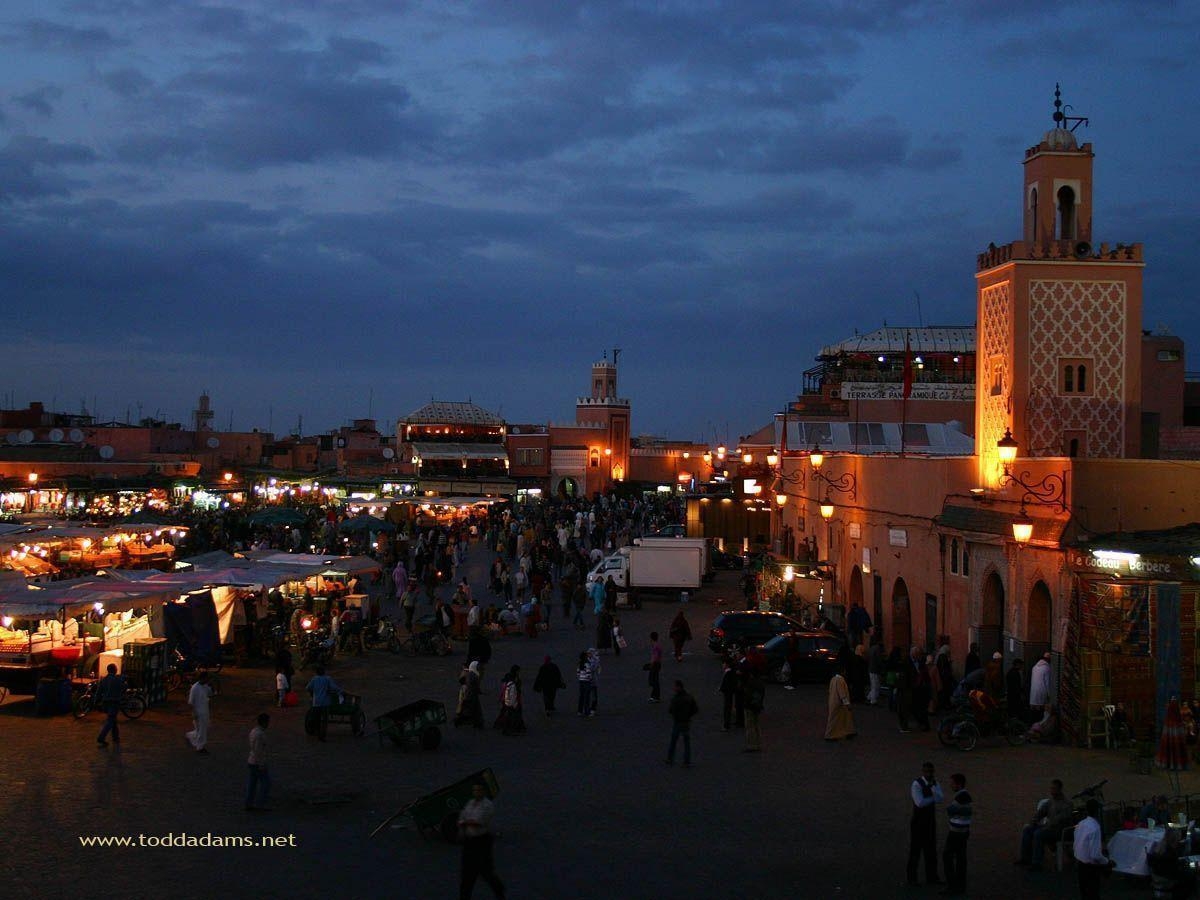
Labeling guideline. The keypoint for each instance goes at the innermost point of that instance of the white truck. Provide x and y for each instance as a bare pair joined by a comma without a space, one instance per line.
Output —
656,565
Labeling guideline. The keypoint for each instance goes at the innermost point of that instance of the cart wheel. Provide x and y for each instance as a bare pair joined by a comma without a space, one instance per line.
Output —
449,827
430,738
966,736
946,730
358,723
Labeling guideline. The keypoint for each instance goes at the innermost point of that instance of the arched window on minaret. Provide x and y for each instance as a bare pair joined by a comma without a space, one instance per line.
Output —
1069,380
1066,214
1033,215
1081,379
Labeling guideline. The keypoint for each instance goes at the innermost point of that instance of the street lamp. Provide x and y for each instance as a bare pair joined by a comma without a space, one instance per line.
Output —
747,458
1022,527
827,508
1050,491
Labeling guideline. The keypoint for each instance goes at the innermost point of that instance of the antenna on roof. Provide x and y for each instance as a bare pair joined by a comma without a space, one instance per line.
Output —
616,353
920,318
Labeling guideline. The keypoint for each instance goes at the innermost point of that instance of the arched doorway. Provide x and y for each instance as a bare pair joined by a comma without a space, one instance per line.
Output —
991,617
568,488
856,586
901,616
1037,630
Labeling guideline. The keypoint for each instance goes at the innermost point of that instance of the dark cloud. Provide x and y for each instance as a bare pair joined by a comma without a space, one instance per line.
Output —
248,109
126,81
40,100
30,167
43,34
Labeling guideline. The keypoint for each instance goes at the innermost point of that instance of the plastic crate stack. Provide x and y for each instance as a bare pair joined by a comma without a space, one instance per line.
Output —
145,665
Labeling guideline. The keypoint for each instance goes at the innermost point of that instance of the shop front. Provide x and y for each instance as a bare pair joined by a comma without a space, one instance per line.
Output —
1131,639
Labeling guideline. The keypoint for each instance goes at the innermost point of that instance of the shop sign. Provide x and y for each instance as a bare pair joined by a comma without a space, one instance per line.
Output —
854,530
867,390
1133,565
898,537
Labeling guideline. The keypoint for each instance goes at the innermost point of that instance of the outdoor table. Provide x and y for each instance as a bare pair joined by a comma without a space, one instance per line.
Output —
1128,849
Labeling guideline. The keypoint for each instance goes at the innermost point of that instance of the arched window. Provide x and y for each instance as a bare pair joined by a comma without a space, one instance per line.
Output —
966,559
1073,451
1069,379
954,556
1066,214
1033,235
1082,379
595,459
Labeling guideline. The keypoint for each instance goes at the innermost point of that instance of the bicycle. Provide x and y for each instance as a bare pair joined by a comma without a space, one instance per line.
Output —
428,643
185,670
133,702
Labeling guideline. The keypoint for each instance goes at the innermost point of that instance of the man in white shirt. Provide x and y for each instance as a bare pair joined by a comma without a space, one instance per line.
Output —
925,794
475,829
1089,854
257,762
198,698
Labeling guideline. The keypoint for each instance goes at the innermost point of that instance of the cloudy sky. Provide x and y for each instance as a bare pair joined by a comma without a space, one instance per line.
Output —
330,206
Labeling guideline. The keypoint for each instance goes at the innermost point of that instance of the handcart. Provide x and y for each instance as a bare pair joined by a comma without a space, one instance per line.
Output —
417,721
437,813
346,712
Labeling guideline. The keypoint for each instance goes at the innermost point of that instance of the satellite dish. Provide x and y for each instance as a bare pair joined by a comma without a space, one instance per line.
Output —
76,435
106,452
213,443
26,436
56,434
388,452
12,438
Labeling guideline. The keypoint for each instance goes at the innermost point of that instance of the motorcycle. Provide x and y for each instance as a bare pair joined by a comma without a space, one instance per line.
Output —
316,648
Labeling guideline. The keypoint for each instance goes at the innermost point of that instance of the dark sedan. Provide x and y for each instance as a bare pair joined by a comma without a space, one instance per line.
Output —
814,659
747,628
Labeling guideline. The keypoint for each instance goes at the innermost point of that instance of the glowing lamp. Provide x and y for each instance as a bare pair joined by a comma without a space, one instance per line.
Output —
686,454
772,459
816,457
721,452
306,623
708,459
747,458
228,476
789,573
1006,447
1022,527
608,451
827,509
780,499
7,621
33,477
684,477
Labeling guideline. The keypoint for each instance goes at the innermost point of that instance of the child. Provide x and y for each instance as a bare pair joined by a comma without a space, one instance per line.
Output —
618,640
281,687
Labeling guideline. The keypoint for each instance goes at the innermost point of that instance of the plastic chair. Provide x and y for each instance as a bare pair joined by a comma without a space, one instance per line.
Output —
1066,848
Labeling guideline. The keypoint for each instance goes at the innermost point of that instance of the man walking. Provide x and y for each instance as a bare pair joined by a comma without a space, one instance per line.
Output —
108,695
1039,685
683,707
926,793
875,669
198,698
954,857
475,829
257,763
654,667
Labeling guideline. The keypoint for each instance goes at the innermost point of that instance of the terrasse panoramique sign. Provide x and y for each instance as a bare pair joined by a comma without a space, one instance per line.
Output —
868,390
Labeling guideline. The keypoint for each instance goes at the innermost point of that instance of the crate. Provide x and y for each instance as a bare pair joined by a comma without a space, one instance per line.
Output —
144,666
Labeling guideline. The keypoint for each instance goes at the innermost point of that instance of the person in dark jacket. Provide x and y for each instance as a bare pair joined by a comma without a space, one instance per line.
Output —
730,687
679,633
548,683
682,709
972,662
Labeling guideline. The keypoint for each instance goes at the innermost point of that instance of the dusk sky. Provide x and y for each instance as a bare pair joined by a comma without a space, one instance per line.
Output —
300,206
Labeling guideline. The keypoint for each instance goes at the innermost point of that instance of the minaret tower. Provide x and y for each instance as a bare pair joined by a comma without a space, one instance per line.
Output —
608,414
1059,320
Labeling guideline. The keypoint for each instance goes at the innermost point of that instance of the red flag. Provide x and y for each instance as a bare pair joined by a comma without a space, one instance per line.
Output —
908,372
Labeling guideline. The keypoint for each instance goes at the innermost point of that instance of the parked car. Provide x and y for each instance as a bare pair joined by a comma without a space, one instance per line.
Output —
724,560
748,628
670,531
816,655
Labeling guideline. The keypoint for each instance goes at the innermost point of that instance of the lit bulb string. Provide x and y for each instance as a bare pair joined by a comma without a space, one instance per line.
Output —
888,514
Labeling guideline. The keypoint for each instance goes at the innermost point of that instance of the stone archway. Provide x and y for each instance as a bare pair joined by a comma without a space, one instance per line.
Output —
568,488
901,616
1038,621
991,617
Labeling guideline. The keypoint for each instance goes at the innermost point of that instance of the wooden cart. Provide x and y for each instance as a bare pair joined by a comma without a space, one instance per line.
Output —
417,721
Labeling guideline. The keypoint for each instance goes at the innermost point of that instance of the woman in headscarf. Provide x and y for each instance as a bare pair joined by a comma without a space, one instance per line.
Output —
470,710
511,719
